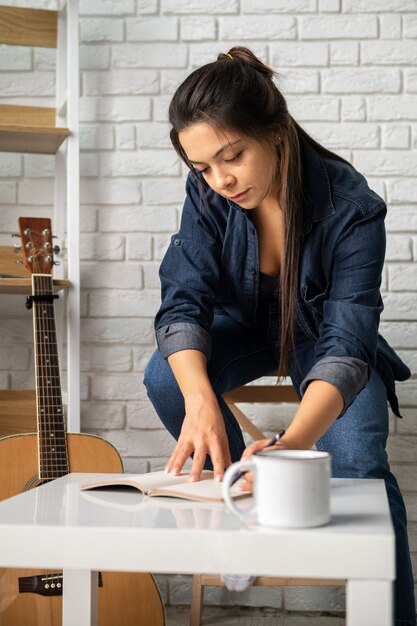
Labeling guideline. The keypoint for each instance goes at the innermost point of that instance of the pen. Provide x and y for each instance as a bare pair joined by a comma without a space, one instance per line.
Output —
270,443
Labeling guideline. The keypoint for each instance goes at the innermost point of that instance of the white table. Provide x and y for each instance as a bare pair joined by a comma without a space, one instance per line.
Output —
56,526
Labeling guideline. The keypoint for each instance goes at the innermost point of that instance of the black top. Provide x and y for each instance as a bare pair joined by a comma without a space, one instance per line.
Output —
268,287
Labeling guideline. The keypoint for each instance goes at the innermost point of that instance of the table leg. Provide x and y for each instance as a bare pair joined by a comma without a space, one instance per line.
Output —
197,600
369,602
80,598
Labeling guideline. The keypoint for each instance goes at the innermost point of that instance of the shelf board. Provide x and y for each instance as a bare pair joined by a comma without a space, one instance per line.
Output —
28,27
262,393
24,285
12,263
17,411
30,129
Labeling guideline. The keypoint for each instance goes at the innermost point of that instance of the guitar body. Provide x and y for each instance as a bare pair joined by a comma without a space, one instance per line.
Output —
131,599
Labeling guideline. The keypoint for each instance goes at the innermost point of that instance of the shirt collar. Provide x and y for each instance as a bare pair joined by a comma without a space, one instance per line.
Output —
233,205
318,198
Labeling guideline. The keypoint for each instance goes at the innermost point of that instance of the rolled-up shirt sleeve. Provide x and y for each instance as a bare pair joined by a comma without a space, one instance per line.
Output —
183,336
347,374
345,352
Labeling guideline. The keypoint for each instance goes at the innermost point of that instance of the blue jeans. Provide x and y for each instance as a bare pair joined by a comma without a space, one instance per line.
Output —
356,440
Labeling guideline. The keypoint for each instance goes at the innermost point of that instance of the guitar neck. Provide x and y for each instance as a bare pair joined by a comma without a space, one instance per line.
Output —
53,453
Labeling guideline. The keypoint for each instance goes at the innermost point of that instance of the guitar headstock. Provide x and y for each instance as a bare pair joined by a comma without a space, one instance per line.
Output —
36,240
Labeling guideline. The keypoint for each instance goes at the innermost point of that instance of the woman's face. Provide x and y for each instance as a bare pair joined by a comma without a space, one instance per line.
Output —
233,165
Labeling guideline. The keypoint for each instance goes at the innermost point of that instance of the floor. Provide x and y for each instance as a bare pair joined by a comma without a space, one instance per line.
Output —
216,616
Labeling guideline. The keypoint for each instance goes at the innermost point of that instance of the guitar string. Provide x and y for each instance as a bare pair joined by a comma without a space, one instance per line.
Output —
49,364
42,401
37,348
53,389
35,290
59,418
50,388
40,370
49,449
38,361
40,365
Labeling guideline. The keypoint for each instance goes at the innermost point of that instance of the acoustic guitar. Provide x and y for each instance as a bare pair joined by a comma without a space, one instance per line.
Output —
34,598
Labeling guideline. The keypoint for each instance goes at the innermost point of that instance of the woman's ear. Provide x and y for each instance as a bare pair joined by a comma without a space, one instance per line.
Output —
275,139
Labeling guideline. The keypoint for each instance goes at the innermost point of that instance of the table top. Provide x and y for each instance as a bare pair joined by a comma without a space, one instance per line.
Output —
57,525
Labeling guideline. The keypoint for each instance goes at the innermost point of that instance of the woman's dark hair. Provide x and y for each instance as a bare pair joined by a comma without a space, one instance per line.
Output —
237,93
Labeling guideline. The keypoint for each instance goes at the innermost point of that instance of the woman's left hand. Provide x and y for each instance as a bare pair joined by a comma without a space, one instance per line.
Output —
247,454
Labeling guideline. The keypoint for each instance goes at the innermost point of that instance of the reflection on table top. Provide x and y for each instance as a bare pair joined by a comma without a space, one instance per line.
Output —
357,506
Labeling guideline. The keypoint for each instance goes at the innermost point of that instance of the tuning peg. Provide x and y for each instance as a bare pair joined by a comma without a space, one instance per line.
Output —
19,262
57,263
57,249
15,235
17,247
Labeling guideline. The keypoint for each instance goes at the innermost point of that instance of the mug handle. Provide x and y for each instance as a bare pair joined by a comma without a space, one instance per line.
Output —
228,478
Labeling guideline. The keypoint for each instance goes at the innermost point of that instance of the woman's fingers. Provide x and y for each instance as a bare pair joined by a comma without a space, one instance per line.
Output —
254,447
181,453
226,454
218,460
246,484
198,463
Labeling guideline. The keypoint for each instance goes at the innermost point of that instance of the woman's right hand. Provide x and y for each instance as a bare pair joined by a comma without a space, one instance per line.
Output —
203,432
256,446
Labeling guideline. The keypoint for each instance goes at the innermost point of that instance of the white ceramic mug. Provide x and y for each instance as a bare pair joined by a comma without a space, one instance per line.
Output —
291,488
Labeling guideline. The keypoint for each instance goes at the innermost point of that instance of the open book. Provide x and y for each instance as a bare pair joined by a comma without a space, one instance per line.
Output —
160,484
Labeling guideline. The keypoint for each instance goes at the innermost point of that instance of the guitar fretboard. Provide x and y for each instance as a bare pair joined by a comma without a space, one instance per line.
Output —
53,454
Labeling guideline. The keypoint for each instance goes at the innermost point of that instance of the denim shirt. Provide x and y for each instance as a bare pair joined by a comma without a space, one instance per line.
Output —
212,265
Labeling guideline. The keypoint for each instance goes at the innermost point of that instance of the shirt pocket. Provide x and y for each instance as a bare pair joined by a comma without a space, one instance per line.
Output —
314,297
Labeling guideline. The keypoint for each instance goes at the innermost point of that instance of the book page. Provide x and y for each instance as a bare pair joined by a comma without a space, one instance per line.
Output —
205,490
143,482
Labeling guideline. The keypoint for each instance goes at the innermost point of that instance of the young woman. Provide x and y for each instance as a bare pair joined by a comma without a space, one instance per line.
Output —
276,266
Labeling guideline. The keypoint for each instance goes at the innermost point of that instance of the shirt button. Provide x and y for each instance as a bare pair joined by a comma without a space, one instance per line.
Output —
253,272
177,242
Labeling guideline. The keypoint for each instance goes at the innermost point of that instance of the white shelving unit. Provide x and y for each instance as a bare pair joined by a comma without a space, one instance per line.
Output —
44,130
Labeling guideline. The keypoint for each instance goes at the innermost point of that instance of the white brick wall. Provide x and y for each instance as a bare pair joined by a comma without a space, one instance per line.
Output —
349,69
